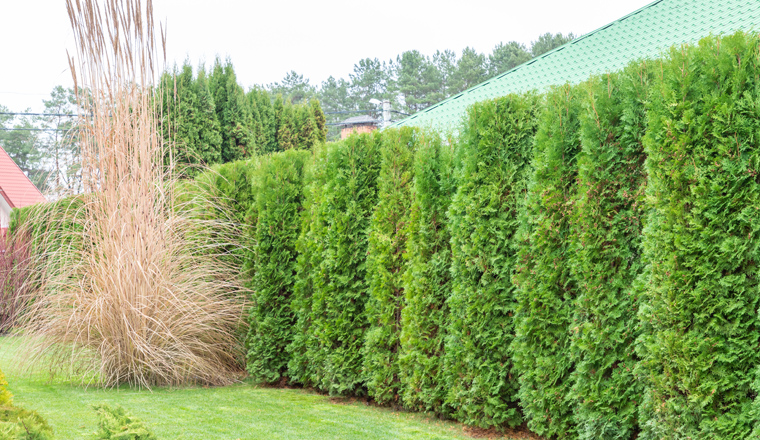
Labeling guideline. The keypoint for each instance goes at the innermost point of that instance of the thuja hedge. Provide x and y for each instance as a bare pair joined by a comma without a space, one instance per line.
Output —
699,312
278,189
337,322
427,280
386,265
495,156
541,347
605,259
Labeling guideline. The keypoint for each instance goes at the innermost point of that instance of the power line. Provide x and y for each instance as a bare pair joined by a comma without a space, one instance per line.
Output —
37,114
34,129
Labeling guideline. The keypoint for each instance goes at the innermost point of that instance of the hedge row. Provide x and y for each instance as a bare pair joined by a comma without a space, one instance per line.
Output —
584,261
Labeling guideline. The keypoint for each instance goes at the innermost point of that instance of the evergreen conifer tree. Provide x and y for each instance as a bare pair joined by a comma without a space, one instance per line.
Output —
427,280
495,156
232,112
546,288
386,265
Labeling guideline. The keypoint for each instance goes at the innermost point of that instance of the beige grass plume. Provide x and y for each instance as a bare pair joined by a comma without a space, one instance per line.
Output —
140,294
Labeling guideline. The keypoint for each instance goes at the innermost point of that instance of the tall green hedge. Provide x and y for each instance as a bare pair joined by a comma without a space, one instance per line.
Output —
701,335
546,287
279,199
337,322
496,152
301,368
427,280
386,265
606,261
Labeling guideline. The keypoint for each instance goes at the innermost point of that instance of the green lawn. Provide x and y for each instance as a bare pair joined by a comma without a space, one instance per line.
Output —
242,411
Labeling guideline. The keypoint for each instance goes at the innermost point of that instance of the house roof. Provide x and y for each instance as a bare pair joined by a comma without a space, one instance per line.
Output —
644,33
360,120
15,187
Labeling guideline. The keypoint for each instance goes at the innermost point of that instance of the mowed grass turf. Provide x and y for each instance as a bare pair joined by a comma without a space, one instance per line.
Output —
242,411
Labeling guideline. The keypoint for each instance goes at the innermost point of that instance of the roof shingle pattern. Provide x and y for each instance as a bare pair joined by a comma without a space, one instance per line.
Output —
15,187
645,33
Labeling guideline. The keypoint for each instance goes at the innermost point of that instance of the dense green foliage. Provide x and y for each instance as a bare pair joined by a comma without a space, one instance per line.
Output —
17,423
427,280
699,311
386,264
547,289
337,322
116,424
495,168
605,260
6,398
278,189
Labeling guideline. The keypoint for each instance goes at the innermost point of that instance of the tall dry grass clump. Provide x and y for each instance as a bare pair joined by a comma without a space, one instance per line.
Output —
139,295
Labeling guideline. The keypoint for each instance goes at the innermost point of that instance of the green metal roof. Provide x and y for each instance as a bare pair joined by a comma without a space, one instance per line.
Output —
645,33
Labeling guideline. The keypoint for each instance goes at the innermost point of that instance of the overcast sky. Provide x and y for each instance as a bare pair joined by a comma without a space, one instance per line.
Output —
267,39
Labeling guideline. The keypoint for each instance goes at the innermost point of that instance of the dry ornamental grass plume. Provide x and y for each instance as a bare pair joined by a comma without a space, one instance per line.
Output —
139,294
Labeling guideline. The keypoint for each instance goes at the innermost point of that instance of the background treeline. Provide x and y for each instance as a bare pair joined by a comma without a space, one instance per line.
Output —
412,81
215,120
212,119
583,261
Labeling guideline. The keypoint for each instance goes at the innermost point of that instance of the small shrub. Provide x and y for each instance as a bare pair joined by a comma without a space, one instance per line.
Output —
6,398
20,424
117,424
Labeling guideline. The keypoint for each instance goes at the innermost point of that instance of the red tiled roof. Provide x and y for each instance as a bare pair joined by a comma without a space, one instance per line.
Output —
15,187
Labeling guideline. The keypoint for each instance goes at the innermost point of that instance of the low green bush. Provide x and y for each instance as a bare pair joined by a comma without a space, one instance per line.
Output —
117,424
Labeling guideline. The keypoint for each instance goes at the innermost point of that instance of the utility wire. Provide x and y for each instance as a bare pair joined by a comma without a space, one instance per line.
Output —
37,114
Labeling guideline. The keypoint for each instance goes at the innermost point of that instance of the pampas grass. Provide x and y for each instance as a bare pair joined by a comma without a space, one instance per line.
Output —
140,295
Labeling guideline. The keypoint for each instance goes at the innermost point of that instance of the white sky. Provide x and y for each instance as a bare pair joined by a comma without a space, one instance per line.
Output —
267,39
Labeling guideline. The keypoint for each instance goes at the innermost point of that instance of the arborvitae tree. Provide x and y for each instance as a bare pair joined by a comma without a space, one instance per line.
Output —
546,288
189,120
266,131
319,119
287,131
496,153
700,309
279,200
338,322
427,280
386,265
605,259
232,112
310,247
278,106
209,135
308,132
